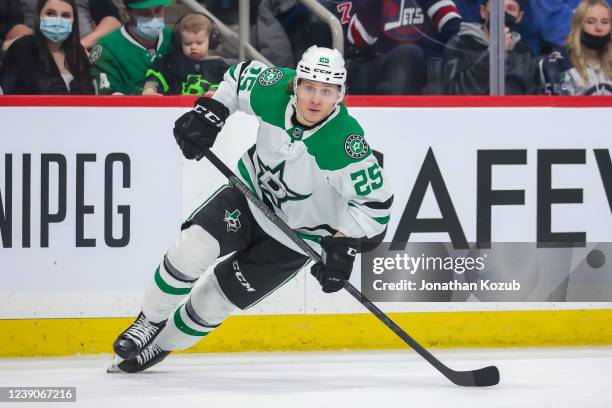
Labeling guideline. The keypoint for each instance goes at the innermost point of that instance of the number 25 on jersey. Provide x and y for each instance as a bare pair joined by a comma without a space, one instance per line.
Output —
366,182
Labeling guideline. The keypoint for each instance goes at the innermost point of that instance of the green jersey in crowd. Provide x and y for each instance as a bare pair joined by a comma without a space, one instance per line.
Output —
120,63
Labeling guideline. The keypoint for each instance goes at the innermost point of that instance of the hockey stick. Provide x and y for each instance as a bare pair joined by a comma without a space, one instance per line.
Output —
482,377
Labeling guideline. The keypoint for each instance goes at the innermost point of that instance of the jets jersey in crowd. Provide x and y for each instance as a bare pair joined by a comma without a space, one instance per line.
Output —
318,180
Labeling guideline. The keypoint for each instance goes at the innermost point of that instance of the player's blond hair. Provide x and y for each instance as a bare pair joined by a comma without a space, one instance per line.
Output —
575,46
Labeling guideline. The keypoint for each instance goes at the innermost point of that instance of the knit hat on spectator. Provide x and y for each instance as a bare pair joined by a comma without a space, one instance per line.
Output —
143,4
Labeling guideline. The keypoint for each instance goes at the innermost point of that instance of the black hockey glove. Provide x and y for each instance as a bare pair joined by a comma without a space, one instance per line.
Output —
196,130
338,257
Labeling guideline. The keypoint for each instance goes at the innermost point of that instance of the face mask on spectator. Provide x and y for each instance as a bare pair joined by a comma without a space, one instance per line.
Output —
149,28
509,21
594,42
56,29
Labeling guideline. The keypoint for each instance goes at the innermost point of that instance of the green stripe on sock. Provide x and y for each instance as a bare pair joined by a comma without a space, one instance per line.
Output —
167,288
182,326
382,220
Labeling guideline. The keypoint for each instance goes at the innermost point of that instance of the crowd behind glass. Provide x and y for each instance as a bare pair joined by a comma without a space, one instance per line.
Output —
392,47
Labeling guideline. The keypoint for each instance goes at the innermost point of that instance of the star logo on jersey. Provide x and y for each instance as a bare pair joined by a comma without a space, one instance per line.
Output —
232,221
270,76
356,146
95,54
274,188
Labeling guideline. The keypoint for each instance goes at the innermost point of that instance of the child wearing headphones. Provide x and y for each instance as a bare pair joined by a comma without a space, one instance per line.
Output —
188,69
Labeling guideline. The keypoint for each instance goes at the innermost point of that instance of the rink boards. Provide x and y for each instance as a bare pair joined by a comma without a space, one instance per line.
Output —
93,191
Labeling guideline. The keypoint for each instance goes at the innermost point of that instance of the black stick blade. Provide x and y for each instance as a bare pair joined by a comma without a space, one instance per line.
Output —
483,377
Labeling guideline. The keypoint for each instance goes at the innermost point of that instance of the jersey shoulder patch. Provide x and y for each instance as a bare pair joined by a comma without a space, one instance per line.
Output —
95,54
270,76
339,143
356,146
105,45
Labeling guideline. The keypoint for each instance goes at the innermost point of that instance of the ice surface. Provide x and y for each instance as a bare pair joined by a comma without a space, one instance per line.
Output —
556,377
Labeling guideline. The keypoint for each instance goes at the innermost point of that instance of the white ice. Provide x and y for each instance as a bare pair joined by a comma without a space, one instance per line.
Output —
555,377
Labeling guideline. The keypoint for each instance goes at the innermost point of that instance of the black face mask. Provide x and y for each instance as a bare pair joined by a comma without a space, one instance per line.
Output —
509,21
594,42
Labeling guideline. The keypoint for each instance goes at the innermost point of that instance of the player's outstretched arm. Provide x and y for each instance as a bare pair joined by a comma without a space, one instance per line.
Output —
196,130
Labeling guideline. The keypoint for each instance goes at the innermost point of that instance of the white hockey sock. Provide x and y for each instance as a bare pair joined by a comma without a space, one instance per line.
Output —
186,260
203,311
164,293
182,330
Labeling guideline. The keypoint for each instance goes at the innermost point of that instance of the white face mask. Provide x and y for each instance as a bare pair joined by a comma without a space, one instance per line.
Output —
149,28
56,29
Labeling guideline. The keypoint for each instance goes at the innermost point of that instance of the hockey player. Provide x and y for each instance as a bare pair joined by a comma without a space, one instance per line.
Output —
311,165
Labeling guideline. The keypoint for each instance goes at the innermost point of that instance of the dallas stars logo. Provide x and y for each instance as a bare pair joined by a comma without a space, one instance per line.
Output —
232,221
95,54
356,146
270,76
273,186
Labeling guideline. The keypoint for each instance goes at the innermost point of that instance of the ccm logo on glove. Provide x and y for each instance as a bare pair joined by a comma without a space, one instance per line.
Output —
196,130
207,114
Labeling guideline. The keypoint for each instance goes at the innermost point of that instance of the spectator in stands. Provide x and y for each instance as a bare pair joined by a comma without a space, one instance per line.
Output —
11,23
556,18
286,28
188,69
530,28
271,38
225,10
590,50
395,40
343,11
120,60
96,18
466,58
52,60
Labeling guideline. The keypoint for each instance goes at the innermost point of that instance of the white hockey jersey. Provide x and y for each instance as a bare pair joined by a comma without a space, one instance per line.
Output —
319,180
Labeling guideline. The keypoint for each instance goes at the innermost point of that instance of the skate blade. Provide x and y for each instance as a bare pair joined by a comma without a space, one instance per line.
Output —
114,368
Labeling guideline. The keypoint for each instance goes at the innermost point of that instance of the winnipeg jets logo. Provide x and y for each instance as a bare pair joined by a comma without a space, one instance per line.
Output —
232,221
356,146
273,186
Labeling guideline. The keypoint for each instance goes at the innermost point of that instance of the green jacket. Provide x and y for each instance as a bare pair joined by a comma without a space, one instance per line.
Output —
120,63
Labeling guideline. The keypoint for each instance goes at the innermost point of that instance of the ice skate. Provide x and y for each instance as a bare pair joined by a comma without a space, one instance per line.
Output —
136,337
150,355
